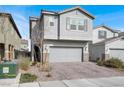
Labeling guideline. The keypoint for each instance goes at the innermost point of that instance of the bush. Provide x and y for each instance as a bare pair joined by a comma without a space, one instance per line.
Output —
27,77
100,63
24,63
114,63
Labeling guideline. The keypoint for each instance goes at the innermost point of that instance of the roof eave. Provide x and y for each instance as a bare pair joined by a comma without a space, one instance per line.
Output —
13,22
106,28
84,11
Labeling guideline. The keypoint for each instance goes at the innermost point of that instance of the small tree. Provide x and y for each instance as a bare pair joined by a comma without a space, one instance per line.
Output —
38,38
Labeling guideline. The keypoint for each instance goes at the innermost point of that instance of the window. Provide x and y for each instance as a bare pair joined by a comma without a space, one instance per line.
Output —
51,23
102,34
73,27
76,24
73,24
81,25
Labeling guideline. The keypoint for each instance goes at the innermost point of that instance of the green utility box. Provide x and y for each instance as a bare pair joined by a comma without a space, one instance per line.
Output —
8,69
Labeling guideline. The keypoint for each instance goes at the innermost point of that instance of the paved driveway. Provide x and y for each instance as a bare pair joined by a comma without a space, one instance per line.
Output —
75,70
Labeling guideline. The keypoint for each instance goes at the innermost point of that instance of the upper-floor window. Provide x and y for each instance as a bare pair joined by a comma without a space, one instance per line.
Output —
76,24
51,23
73,24
102,34
81,25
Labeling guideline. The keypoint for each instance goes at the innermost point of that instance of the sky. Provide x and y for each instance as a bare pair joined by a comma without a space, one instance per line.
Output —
110,15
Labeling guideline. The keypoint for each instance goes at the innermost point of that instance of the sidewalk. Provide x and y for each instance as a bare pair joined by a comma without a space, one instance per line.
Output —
14,82
96,82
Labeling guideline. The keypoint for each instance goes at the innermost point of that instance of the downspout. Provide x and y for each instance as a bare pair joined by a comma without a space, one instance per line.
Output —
43,39
58,27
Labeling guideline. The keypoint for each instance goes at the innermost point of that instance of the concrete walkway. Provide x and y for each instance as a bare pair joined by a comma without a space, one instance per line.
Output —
96,82
14,82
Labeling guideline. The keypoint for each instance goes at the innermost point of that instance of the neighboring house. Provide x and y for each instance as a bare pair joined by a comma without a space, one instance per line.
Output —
106,44
10,38
61,36
121,34
103,32
24,45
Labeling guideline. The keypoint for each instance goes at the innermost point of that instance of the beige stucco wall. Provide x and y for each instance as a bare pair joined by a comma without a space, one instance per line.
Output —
75,34
52,32
8,35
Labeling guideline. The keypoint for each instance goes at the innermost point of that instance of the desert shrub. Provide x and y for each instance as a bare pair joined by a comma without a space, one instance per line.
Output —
100,63
24,63
122,66
114,63
27,77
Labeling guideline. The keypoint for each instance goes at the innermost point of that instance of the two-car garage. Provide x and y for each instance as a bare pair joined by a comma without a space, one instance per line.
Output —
117,53
116,48
65,54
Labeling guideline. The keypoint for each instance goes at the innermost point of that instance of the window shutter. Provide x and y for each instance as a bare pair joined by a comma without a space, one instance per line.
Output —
68,23
85,25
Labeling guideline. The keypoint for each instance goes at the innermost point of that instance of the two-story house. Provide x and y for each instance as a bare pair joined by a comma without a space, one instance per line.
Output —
10,38
107,43
61,36
103,32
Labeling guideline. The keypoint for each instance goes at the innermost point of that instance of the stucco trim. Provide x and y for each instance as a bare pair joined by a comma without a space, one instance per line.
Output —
106,27
66,40
75,8
109,40
68,10
66,46
116,48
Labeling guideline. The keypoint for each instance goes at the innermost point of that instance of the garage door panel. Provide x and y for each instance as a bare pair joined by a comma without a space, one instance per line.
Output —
117,54
65,54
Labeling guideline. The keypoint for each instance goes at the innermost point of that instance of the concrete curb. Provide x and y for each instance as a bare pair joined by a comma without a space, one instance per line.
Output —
17,80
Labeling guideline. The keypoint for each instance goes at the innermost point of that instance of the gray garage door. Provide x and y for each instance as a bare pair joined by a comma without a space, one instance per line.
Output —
117,53
65,54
